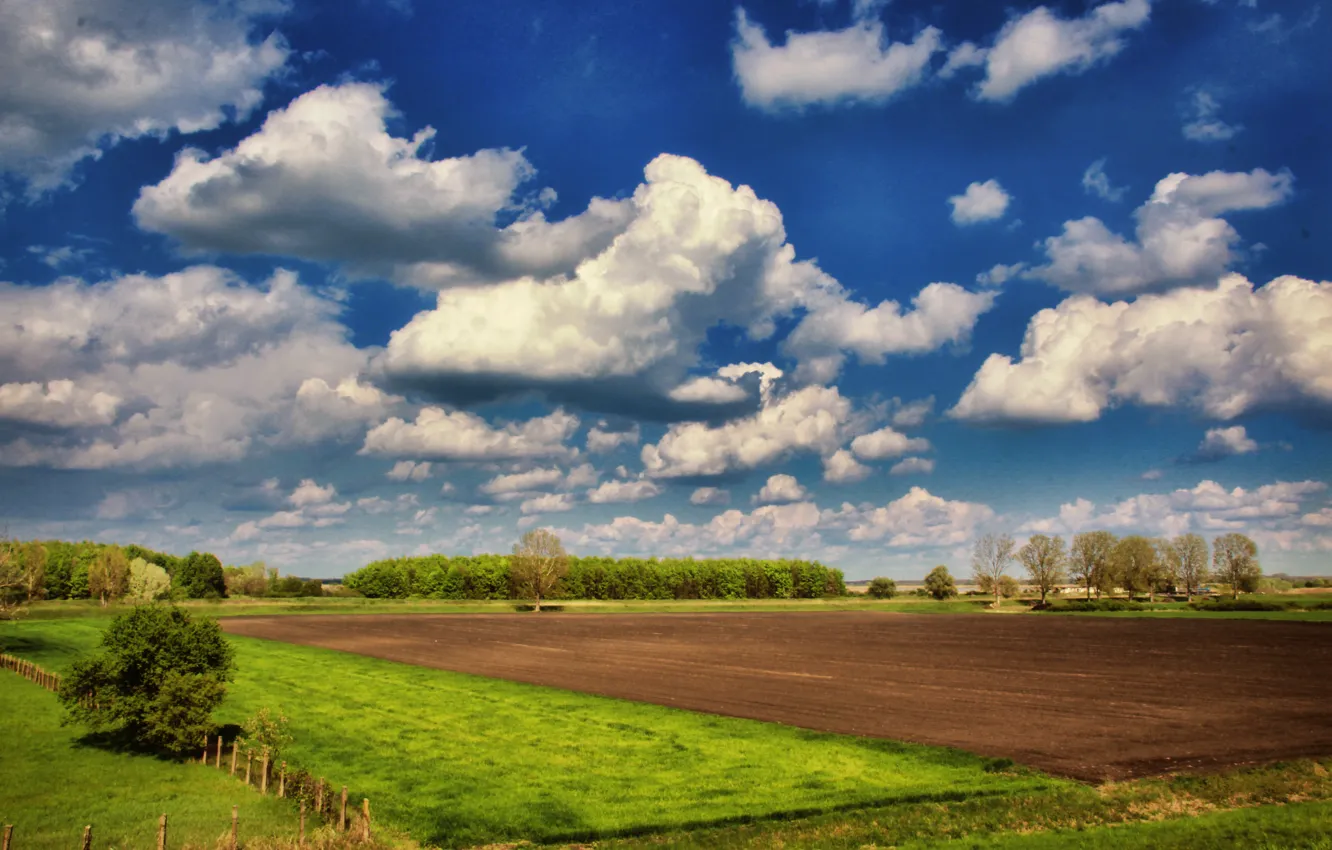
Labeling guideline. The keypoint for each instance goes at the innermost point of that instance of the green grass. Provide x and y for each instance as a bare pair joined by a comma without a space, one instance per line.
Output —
51,786
456,759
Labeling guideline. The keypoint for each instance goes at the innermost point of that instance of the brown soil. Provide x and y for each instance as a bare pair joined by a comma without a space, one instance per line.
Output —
1091,698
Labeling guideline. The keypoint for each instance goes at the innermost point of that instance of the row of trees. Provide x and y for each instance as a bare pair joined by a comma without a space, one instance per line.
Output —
1099,562
508,576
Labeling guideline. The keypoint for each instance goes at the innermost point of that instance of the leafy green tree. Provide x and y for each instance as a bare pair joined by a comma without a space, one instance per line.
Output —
1046,562
199,576
108,575
156,681
539,562
1135,563
1089,559
882,588
939,583
147,581
265,733
990,559
1235,562
1187,557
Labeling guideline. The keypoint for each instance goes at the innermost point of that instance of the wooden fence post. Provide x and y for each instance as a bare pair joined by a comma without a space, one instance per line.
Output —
249,757
365,812
263,775
282,780
233,758
319,797
218,762
87,837
235,816
300,839
161,833
9,830
203,759
342,818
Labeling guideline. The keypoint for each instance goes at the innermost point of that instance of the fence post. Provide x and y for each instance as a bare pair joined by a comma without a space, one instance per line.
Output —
203,759
87,837
249,757
342,818
263,775
9,832
161,833
233,758
365,811
282,780
319,797
235,816
218,762
300,839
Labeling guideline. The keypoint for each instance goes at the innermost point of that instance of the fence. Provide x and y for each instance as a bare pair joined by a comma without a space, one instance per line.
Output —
296,784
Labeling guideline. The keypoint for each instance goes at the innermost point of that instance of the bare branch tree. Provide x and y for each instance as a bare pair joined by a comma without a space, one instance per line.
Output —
539,562
990,559
1188,554
1045,560
1089,559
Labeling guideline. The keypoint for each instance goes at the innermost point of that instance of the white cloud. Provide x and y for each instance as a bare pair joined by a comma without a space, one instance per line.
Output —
56,257
809,419
191,367
80,75
887,443
709,496
1151,475
780,488
548,503
828,67
999,274
409,470
480,510
1039,44
841,467
789,526
603,442
1224,442
1203,125
324,180
1181,241
624,491
911,414
309,493
1096,182
913,466
460,435
980,202
523,482
915,520
1224,351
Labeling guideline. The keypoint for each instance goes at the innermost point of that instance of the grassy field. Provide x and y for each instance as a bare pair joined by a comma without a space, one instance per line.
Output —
455,759
51,786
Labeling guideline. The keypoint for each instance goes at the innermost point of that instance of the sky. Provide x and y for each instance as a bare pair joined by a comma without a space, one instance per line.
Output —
316,284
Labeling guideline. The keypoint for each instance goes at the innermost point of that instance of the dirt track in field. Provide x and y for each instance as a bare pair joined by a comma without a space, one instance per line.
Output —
1091,698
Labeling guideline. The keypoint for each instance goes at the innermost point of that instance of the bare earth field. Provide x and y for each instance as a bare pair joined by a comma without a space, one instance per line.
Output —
1094,698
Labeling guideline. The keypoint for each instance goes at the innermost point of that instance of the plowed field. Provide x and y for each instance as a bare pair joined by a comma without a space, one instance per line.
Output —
1091,698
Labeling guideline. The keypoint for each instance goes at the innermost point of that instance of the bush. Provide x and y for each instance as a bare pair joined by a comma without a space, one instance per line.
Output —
882,588
156,682
265,733
1239,605
939,583
1099,605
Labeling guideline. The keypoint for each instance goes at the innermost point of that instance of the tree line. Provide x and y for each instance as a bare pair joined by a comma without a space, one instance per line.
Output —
502,577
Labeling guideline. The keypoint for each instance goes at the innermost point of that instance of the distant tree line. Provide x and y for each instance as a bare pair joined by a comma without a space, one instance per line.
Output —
493,577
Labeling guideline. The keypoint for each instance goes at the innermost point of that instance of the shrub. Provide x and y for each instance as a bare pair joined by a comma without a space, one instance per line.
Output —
1099,605
157,680
1239,605
939,583
265,733
882,588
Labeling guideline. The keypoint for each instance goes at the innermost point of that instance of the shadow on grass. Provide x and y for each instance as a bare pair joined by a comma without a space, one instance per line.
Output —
123,742
26,646
544,607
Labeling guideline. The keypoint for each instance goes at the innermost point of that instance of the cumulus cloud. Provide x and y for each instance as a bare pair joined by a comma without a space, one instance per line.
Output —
547,503
779,489
1220,443
856,64
324,180
1224,351
81,75
1202,124
409,470
1039,44
191,367
911,414
1096,182
887,443
917,519
999,274
601,441
980,202
1180,238
459,435
841,467
709,496
624,491
913,466
518,484
789,526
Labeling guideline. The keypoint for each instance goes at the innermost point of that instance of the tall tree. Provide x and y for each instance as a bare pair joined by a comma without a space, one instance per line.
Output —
939,583
1188,553
1089,559
539,562
199,575
1235,559
991,558
108,574
1046,562
1134,560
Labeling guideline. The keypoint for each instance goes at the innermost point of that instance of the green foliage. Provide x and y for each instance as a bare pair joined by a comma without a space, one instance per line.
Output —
1099,605
147,581
491,577
939,583
1239,605
199,576
157,680
265,733
882,588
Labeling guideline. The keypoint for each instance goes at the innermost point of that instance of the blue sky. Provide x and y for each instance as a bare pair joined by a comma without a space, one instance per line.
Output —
850,281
